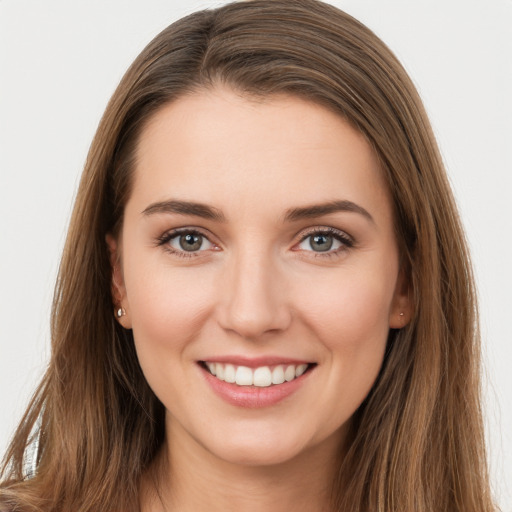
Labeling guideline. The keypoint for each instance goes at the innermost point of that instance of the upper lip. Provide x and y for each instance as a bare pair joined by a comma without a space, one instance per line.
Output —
255,362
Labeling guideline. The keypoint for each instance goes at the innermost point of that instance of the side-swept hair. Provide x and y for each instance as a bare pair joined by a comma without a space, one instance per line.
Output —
417,441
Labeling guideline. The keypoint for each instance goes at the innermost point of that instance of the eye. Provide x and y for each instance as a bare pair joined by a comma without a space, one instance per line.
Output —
189,242
327,241
185,242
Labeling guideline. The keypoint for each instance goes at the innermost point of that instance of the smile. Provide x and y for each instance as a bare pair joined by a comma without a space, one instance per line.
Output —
262,376
256,382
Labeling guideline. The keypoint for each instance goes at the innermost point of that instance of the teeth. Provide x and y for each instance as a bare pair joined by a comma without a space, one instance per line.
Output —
300,369
211,367
289,373
243,376
229,373
262,377
278,375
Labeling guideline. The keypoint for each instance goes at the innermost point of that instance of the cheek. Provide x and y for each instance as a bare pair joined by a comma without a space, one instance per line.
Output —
350,317
351,322
167,308
350,304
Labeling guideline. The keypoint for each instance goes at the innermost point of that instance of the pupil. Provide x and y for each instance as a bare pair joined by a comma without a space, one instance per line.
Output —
321,242
191,242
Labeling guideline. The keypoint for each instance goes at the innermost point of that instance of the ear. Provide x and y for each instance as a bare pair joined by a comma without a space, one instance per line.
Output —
401,307
117,287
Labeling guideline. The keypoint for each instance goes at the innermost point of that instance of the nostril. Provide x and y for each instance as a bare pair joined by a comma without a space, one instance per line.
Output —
252,302
256,321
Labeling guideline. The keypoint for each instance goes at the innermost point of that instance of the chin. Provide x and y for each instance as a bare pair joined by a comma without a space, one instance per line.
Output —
267,445
254,454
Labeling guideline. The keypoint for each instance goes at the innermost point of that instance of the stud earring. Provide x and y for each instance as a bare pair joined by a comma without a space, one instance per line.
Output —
120,312
401,313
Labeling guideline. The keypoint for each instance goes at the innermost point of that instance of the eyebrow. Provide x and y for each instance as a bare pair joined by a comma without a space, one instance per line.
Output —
317,210
292,215
185,208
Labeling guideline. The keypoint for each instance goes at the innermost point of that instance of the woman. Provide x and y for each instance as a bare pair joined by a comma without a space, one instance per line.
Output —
265,298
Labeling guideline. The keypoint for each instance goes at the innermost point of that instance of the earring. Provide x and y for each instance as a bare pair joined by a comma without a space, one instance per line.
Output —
401,313
120,312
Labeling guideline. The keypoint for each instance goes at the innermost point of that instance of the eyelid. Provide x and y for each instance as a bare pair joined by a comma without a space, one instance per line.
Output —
344,238
164,239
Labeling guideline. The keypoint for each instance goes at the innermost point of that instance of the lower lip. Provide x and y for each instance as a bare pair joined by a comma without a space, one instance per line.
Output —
253,396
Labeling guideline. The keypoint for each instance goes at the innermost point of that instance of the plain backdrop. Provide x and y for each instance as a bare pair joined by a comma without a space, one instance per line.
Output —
60,61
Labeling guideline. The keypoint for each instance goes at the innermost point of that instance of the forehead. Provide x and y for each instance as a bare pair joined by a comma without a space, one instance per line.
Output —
218,146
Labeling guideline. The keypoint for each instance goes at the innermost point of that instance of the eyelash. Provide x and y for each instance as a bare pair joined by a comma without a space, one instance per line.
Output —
164,240
346,241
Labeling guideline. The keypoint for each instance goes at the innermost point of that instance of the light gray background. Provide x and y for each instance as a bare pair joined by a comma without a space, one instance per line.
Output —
60,62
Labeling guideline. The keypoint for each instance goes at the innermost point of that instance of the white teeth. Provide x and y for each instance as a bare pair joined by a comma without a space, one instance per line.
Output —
262,376
300,369
211,367
289,373
278,375
244,376
229,373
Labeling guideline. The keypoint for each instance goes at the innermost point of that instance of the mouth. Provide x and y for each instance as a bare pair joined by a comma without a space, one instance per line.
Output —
261,376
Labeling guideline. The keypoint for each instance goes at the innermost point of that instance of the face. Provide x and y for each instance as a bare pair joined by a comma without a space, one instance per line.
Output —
258,245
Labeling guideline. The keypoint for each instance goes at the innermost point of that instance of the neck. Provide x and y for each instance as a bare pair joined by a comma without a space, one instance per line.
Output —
189,478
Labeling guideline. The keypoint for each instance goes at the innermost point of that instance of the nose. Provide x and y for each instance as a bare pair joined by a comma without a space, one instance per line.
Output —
254,297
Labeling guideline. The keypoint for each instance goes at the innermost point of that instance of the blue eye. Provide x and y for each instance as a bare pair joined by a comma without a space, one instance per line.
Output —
325,241
189,242
186,241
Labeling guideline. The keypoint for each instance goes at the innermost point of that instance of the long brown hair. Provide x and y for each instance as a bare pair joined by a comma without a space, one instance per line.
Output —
417,442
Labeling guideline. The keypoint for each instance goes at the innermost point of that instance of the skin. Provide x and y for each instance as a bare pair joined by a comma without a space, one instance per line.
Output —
256,287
